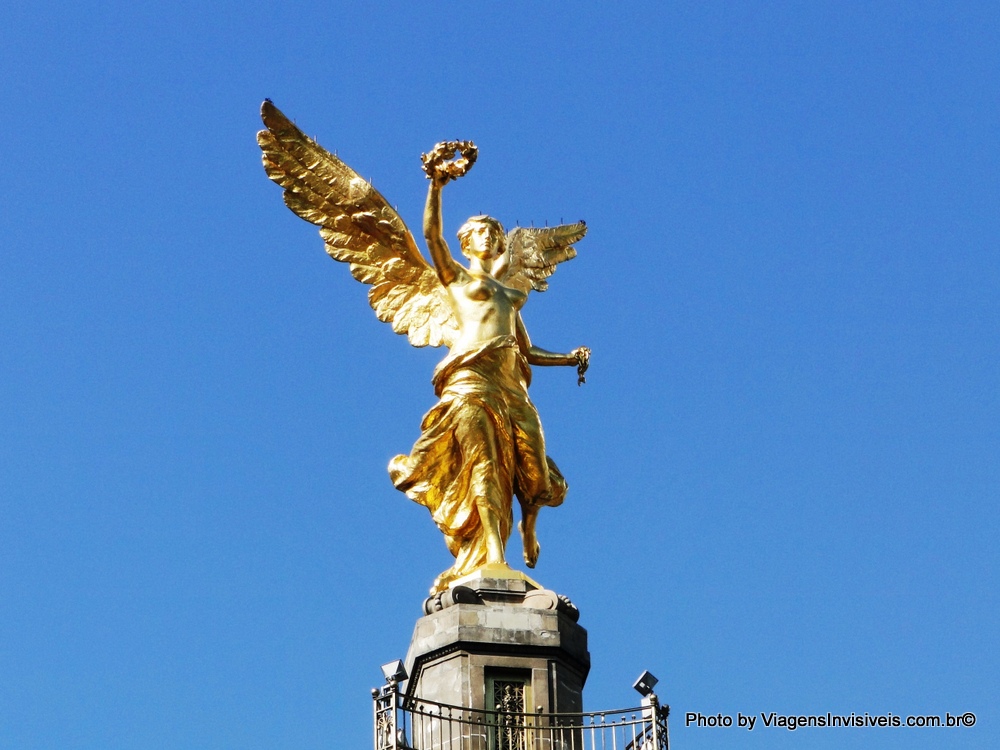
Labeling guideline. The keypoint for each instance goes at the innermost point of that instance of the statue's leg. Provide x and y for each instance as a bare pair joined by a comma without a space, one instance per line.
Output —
493,534
537,480
486,456
529,514
532,470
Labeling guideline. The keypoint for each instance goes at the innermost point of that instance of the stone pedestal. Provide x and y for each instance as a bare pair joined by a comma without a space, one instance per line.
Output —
496,639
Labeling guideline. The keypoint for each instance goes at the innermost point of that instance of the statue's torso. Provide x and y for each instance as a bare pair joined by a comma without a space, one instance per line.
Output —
485,309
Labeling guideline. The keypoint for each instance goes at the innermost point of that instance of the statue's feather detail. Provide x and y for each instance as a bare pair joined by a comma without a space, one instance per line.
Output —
534,253
360,228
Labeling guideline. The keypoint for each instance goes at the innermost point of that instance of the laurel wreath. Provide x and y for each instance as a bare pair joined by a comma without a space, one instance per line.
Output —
449,159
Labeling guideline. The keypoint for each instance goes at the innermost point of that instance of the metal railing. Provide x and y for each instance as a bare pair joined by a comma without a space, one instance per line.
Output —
425,725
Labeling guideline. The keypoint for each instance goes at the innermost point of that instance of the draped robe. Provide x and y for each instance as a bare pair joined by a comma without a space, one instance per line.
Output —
480,446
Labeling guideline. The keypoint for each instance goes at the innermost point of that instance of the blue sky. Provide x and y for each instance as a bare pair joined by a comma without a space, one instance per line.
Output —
784,466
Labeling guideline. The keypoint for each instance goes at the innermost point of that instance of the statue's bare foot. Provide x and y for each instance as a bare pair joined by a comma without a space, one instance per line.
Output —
531,546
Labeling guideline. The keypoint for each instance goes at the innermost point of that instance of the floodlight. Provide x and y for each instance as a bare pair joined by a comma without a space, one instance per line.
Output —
394,671
644,685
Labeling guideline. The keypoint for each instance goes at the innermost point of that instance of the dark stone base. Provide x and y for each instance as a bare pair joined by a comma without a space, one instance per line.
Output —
499,625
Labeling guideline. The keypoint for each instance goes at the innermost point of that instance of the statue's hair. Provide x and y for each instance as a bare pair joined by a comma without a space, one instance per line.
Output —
466,229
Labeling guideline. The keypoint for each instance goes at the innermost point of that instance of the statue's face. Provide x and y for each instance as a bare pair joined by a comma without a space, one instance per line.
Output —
483,242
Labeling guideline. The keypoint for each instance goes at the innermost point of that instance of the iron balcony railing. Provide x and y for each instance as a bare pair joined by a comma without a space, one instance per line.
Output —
424,725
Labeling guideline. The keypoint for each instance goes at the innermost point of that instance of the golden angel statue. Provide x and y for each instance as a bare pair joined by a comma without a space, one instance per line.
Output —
481,445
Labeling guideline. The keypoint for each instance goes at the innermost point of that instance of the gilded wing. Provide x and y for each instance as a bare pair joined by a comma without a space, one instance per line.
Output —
535,252
359,228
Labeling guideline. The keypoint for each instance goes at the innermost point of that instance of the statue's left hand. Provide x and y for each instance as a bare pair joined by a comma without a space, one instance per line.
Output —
582,356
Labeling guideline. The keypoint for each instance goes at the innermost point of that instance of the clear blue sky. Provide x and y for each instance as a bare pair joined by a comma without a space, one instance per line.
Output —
785,464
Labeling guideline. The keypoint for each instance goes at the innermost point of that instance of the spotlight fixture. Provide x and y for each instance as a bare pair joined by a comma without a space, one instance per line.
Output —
395,672
643,686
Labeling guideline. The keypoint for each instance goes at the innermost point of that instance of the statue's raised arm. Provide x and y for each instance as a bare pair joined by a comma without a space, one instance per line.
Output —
441,168
482,444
